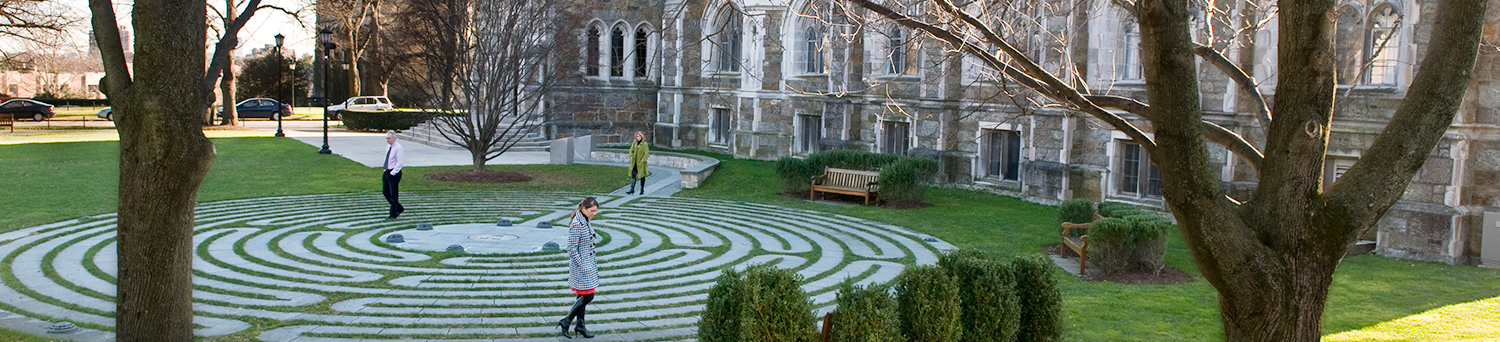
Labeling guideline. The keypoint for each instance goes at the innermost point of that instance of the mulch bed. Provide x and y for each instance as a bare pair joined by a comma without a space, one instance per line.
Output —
1167,275
471,176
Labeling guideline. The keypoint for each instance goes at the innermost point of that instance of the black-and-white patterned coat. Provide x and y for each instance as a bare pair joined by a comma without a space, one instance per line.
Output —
583,268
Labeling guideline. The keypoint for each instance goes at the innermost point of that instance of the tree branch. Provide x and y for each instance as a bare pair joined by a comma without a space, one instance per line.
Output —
1379,179
1218,134
107,34
1238,75
226,45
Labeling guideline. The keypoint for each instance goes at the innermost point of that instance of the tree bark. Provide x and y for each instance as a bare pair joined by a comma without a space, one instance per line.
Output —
226,84
163,158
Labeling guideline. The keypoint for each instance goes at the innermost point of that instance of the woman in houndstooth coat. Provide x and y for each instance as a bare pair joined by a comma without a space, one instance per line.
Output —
583,267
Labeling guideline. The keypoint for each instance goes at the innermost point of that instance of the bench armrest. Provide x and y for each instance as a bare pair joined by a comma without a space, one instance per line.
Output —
1069,226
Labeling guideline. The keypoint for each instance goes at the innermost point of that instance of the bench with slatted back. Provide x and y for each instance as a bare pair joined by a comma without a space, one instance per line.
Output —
848,182
1079,244
8,120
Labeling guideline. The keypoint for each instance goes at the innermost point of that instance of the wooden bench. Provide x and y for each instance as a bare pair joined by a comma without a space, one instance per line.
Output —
1079,245
848,182
8,120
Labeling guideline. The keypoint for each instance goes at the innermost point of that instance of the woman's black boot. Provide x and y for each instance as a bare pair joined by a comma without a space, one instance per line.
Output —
581,330
564,325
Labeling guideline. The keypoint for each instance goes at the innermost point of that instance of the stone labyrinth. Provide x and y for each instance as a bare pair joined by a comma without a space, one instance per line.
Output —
318,268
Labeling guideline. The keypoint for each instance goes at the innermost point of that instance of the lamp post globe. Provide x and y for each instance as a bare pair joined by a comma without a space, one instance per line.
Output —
279,79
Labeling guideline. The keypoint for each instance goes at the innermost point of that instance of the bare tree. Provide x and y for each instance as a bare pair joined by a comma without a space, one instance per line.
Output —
163,155
359,26
427,53
229,38
34,20
512,67
1271,258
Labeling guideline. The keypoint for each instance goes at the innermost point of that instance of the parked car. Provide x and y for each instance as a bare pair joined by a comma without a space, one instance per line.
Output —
107,113
361,103
259,108
23,108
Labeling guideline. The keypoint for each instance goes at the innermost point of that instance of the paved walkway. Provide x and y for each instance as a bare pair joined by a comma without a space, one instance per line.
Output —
321,264
368,149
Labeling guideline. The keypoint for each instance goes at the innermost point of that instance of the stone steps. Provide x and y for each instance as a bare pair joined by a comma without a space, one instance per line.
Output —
427,133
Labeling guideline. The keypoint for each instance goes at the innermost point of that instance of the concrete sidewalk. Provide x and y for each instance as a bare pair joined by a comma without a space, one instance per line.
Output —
368,149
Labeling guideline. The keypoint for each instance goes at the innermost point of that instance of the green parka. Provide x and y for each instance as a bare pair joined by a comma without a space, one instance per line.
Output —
639,151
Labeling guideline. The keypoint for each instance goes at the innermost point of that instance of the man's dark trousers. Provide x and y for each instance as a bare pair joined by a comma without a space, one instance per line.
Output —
391,188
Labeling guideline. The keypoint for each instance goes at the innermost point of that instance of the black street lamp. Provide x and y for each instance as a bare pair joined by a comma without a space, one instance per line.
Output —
279,79
326,36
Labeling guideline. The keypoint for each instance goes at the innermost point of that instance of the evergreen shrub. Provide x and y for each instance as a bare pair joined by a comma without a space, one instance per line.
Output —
361,120
905,180
1134,243
1150,235
1077,210
1039,300
720,321
773,307
928,303
990,312
866,314
1109,209
796,174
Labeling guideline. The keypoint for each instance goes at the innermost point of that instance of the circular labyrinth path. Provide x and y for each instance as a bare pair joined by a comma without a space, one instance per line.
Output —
319,267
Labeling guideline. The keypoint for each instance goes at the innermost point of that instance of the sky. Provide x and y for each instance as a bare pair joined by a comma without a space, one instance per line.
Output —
258,32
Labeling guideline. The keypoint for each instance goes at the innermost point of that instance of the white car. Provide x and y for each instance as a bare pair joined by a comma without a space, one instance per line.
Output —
361,103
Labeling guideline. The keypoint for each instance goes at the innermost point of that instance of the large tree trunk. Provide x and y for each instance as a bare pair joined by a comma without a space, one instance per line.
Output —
226,87
163,158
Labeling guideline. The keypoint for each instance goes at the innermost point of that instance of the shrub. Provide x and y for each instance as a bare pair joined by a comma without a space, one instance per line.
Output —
852,159
866,314
720,321
927,300
1137,242
905,180
796,174
986,289
360,120
1108,209
1039,299
1077,210
774,308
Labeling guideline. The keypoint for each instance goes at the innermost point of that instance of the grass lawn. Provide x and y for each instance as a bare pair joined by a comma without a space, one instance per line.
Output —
1372,299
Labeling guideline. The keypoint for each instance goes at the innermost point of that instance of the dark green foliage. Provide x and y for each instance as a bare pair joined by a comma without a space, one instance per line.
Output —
796,174
1077,210
272,76
866,314
905,180
987,293
359,120
773,307
1136,242
927,299
720,321
852,159
1040,301
1108,209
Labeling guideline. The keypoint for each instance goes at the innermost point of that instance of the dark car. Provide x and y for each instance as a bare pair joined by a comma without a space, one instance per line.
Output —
260,108
22,108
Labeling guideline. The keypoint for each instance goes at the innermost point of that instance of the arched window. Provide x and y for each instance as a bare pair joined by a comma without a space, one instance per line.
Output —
617,52
591,64
1129,67
640,52
897,47
728,24
1348,45
1382,44
812,47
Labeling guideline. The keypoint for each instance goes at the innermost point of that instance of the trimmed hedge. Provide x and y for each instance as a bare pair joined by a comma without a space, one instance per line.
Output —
1117,209
852,159
866,314
360,120
796,174
1077,210
1039,299
773,307
720,321
905,180
990,312
1136,242
927,300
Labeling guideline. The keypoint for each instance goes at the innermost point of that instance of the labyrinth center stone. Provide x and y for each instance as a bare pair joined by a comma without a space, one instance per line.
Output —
316,268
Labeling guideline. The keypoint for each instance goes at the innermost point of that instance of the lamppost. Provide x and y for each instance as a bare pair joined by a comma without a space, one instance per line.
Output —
279,80
326,36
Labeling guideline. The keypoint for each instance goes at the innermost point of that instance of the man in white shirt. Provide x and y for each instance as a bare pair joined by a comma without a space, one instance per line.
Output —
391,177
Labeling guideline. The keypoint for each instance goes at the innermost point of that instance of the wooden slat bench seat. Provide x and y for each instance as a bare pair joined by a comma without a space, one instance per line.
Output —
848,182
1079,245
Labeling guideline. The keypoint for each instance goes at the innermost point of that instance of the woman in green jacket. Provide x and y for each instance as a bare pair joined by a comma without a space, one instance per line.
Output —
639,151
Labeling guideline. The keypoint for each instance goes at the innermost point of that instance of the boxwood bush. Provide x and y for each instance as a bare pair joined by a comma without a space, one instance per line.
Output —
852,159
796,174
360,120
1077,210
987,293
928,303
1150,235
1134,243
1115,209
773,307
720,321
905,180
866,314
1040,301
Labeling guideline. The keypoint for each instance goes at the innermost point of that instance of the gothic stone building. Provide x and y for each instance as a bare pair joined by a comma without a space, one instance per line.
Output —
765,79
